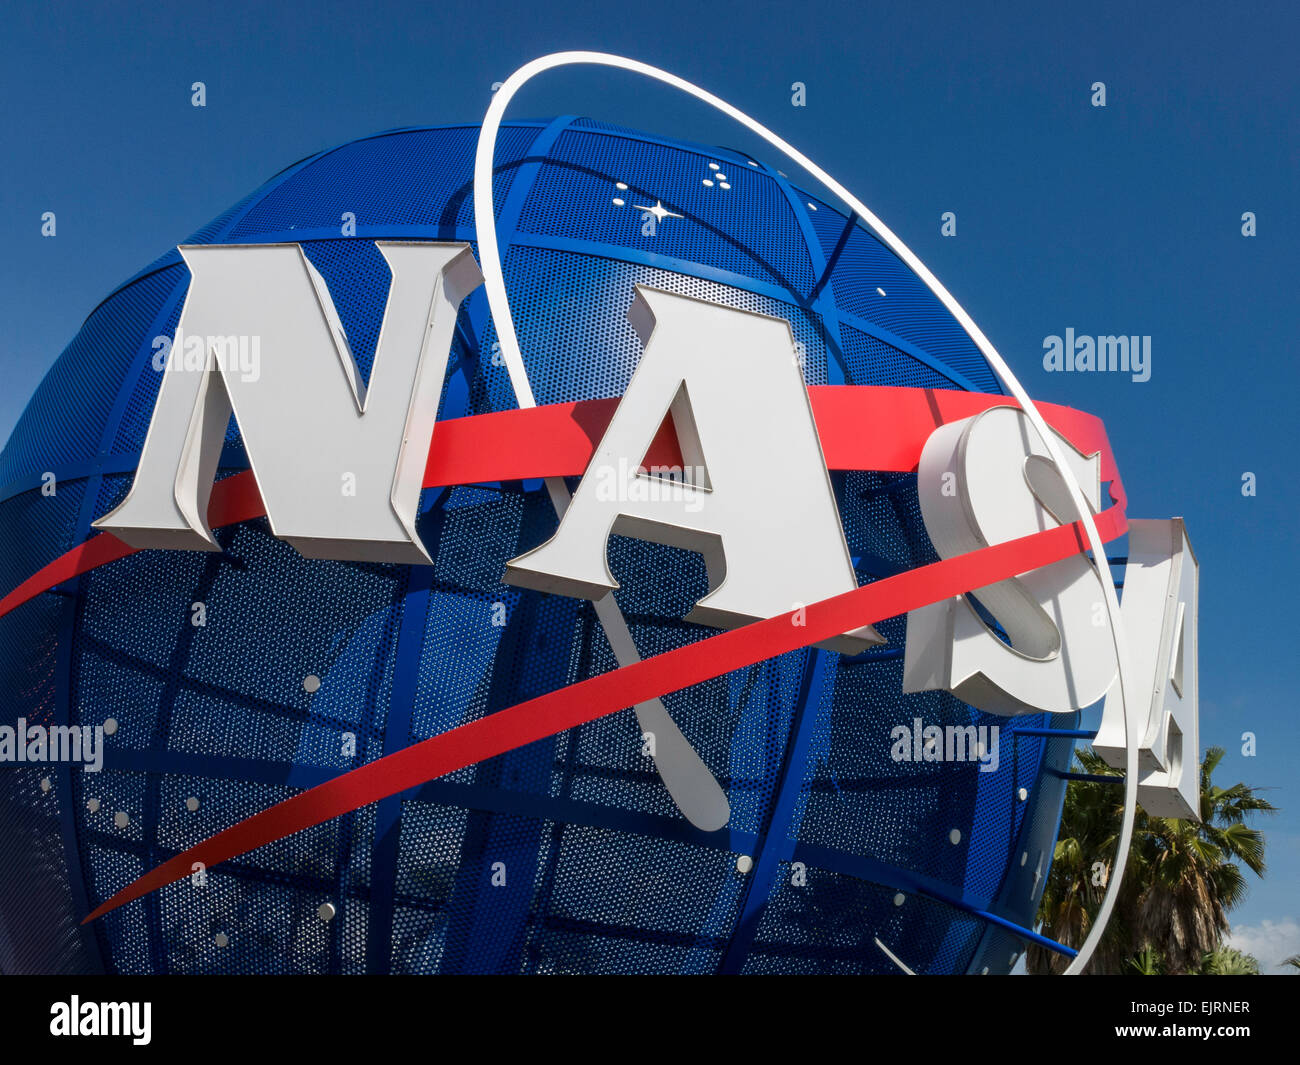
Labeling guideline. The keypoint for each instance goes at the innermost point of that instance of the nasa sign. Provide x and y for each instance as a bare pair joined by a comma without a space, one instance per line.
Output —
946,539
310,429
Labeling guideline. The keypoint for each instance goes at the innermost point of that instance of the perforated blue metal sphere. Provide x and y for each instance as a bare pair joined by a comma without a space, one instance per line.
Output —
216,722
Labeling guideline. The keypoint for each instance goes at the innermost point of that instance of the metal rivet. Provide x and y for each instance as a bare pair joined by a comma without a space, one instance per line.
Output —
880,290
812,206
618,202
1024,858
714,166
221,939
191,804
92,805
1023,793
121,819
325,911
744,863
954,837
620,185
45,784
110,726
899,899
310,683
723,185
706,182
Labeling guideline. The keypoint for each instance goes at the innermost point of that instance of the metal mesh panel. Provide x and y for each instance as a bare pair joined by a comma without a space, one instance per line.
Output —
831,923
411,178
40,931
871,359
585,300
65,419
907,309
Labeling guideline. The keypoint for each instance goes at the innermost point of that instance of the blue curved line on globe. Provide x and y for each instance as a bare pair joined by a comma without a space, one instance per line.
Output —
823,303
775,842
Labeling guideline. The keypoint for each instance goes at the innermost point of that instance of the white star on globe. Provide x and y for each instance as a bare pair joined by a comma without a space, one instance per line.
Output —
658,210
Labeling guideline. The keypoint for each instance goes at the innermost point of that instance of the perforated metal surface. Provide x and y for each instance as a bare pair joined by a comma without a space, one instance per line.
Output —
564,856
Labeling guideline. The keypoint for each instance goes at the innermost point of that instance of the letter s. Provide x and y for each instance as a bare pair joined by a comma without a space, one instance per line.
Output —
1054,658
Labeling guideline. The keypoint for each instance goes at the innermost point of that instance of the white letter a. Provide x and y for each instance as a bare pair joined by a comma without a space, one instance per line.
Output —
764,516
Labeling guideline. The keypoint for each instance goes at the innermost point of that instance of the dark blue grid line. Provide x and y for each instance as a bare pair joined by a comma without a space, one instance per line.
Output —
837,365
774,841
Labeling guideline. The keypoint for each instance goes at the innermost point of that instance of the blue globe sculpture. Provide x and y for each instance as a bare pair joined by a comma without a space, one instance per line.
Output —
233,680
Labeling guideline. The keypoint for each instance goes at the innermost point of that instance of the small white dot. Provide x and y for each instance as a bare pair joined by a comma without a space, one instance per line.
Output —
121,819
714,166
618,202
310,682
899,899
706,182
110,726
92,805
722,177
812,206
191,804
954,837
45,784
744,863
880,290
325,911
1023,793
221,939
723,185
621,185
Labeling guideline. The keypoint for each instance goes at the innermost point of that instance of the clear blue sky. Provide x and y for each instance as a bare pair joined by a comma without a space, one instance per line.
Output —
1122,220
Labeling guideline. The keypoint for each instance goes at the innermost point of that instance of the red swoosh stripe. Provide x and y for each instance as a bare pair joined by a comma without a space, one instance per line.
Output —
618,689
861,427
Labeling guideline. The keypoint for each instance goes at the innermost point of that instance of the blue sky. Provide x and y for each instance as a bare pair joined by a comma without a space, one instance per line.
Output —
1117,220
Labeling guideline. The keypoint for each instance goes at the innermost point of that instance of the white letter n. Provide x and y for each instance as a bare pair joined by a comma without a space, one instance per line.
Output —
306,417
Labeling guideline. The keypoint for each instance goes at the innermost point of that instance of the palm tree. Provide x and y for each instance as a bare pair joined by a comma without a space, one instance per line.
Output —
1293,961
1182,877
1144,963
1228,961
